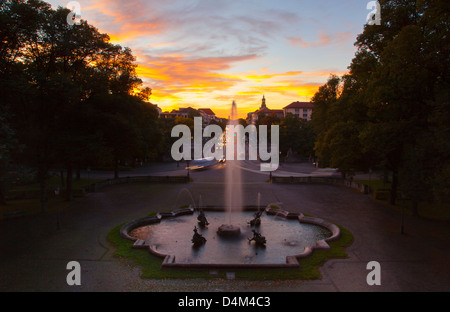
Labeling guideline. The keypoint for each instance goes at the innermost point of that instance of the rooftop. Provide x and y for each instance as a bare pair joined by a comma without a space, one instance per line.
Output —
207,111
300,105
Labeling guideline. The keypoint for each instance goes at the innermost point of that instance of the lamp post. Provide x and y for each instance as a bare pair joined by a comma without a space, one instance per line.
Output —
57,213
187,167
402,224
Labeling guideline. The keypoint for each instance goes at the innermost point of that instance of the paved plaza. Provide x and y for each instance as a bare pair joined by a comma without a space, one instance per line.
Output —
34,252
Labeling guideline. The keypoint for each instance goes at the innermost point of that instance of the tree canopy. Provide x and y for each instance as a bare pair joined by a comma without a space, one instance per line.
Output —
71,97
391,110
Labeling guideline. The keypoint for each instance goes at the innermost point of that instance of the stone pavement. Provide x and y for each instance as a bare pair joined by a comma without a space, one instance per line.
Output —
34,253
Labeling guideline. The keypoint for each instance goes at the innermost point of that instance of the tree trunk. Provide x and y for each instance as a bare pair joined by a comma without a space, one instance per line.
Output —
69,183
2,195
42,175
394,185
61,173
116,169
385,177
415,207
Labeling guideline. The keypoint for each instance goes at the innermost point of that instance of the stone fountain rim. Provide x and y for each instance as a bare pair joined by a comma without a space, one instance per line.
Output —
169,260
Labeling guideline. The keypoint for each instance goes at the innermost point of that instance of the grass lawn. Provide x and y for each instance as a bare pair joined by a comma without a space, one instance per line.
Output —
55,181
433,211
151,266
375,184
21,207
428,210
26,207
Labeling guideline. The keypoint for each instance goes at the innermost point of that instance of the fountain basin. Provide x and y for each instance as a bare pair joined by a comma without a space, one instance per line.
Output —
289,238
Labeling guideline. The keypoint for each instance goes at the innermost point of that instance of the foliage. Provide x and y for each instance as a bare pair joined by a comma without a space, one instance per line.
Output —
74,98
7,142
298,135
392,110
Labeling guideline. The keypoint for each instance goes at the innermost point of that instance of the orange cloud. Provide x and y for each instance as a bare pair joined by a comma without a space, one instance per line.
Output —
180,74
300,74
322,40
194,81
268,76
290,87
179,46
127,20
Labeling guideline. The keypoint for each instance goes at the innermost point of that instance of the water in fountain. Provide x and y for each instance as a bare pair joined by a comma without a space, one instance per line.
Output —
200,202
179,203
259,201
233,181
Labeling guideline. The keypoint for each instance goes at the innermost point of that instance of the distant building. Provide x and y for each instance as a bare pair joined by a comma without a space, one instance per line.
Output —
263,111
300,109
207,115
183,112
168,116
263,103
278,112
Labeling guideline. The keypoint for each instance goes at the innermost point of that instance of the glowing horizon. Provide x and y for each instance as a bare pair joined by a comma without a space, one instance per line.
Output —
204,54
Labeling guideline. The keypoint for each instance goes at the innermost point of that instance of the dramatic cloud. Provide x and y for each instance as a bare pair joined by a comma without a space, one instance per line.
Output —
205,53
322,40
290,88
174,76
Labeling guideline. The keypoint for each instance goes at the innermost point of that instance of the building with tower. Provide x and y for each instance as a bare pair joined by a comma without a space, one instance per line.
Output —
263,111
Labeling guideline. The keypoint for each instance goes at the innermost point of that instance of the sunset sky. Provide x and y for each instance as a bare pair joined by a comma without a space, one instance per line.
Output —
207,53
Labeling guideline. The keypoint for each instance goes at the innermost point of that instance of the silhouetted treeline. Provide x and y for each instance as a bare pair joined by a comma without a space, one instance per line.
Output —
392,110
69,98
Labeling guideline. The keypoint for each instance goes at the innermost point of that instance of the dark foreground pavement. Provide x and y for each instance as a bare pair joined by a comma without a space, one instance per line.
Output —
34,252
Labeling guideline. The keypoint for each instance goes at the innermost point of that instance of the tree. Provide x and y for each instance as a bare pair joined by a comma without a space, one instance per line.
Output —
391,109
75,97
7,143
298,135
322,118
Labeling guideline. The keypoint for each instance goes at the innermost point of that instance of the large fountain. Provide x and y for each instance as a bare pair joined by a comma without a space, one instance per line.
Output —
233,235
233,180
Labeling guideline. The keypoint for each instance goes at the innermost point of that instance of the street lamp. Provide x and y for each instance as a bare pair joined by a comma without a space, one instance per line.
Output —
187,167
57,190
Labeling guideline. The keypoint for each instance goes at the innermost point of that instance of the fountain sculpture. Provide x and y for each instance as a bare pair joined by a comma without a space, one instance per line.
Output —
202,221
256,221
257,238
198,238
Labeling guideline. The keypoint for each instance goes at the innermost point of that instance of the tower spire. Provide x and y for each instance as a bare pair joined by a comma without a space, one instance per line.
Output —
263,105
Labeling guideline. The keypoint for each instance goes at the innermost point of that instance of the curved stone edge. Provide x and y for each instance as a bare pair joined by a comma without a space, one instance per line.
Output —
291,261
283,213
321,244
141,244
130,226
